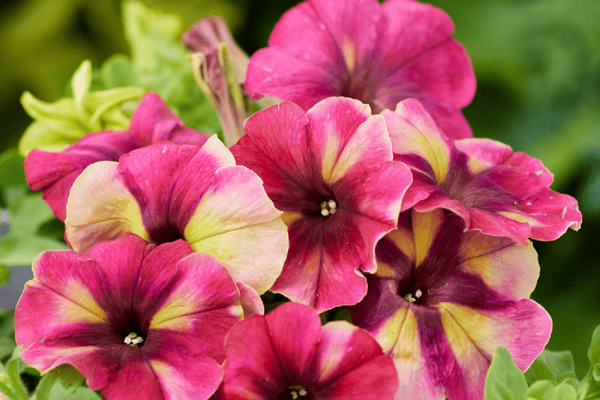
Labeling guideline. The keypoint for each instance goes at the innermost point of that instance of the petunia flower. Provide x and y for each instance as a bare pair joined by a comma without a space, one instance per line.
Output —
288,355
54,173
492,188
442,300
139,321
164,192
377,53
330,171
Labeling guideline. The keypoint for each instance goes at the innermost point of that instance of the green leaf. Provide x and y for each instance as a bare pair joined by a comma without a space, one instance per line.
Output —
59,383
538,371
594,349
559,362
546,390
40,136
15,380
4,275
27,214
81,81
590,386
538,389
7,323
11,165
7,346
67,120
22,243
161,64
504,380
117,72
64,383
596,372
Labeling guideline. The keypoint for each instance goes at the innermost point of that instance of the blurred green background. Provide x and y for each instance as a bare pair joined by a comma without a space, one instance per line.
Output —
538,69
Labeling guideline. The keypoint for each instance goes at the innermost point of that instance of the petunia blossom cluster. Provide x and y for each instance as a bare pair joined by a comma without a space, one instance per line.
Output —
362,192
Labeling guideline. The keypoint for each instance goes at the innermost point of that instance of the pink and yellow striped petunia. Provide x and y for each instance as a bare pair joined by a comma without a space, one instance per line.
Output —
492,189
442,300
330,171
166,192
136,319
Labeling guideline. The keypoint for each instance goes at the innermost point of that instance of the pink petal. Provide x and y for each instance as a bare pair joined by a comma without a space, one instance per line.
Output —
411,28
153,120
277,134
352,365
54,173
344,138
295,333
296,80
194,301
319,259
252,367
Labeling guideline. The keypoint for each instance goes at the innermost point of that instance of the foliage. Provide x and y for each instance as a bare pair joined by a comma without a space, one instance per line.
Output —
550,377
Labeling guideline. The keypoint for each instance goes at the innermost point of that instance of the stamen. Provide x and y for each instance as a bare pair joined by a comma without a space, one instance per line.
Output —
328,208
297,391
133,339
414,298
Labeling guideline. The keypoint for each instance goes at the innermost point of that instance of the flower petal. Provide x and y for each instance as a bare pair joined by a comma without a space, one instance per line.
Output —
199,307
352,365
492,189
252,368
236,222
54,173
296,80
153,120
411,28
101,208
295,334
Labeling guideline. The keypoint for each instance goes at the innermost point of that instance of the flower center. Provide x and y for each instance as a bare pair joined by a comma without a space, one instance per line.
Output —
328,208
298,392
133,339
414,298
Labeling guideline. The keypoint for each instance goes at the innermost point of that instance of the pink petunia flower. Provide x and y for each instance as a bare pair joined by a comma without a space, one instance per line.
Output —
377,53
139,321
330,171
166,192
54,173
492,189
443,300
288,355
